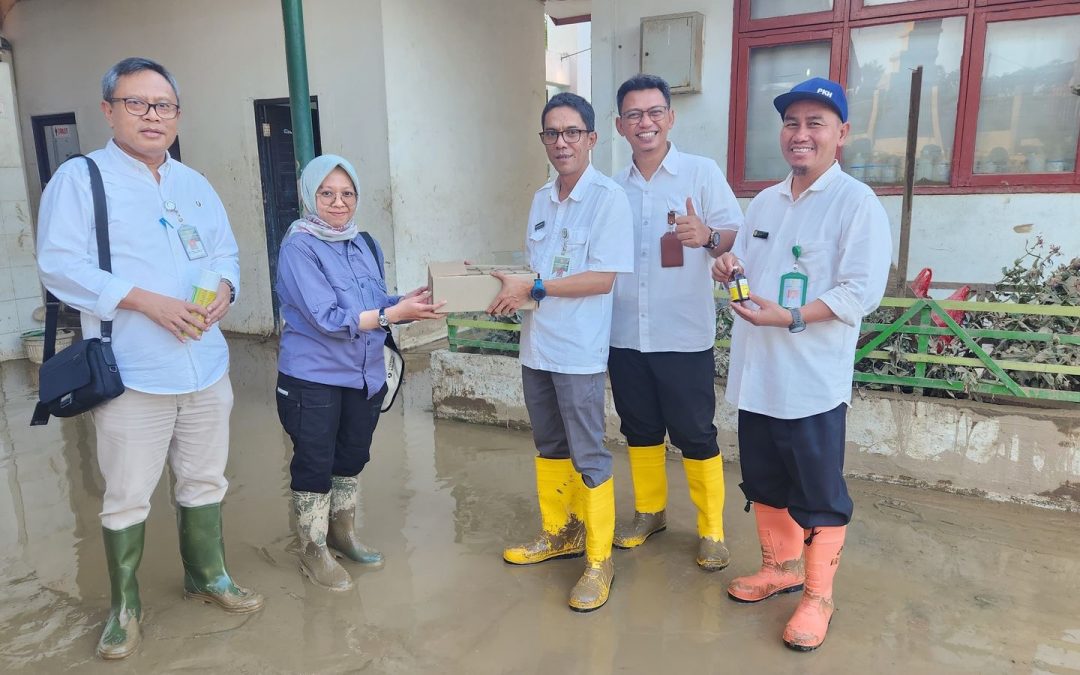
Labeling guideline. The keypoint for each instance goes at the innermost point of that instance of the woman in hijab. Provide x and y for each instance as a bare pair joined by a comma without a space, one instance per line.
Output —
331,372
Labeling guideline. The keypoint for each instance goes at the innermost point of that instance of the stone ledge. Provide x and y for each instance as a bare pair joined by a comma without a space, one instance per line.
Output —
1001,452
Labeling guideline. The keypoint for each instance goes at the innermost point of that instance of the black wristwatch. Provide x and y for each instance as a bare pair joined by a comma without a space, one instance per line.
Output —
232,290
797,324
384,321
714,239
538,291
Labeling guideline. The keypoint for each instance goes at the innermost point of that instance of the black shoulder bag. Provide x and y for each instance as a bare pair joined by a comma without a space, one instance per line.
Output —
85,374
395,364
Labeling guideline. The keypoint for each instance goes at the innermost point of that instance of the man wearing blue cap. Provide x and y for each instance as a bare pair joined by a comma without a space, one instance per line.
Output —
816,251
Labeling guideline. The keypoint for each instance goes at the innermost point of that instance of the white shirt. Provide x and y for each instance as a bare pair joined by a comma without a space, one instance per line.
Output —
587,232
146,254
846,251
671,309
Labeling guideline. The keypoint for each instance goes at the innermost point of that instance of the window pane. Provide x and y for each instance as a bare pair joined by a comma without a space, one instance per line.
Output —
1028,117
873,3
764,9
774,70
879,91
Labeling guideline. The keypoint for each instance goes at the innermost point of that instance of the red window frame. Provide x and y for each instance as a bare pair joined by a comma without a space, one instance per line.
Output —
849,14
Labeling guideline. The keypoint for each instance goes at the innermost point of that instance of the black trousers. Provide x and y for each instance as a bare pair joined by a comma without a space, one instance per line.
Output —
672,392
330,427
797,464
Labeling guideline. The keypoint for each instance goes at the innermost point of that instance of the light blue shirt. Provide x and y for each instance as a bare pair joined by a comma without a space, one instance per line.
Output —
323,286
145,254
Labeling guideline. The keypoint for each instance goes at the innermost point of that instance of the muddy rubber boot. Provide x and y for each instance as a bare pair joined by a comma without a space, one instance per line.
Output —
123,553
782,569
592,589
562,533
705,478
316,562
806,629
649,474
341,536
202,548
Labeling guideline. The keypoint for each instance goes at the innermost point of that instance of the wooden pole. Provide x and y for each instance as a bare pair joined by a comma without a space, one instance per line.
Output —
901,280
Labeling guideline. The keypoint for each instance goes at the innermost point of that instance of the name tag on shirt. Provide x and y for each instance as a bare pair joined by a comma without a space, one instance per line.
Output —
191,241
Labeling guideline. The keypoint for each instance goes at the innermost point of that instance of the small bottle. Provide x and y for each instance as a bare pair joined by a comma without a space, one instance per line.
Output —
738,287
671,249
205,290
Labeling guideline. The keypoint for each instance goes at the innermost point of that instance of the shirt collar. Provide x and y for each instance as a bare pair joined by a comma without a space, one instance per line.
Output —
117,154
578,193
820,184
669,164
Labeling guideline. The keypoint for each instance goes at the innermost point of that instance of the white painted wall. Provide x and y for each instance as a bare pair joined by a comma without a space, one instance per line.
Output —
465,88
568,60
966,238
20,292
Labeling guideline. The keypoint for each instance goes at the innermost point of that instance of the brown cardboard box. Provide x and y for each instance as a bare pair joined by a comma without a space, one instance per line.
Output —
470,288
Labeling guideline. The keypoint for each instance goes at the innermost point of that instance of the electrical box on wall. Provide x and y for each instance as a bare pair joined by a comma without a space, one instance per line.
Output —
671,47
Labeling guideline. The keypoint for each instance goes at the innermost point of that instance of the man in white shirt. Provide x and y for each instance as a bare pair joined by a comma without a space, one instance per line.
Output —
578,239
166,226
819,243
664,320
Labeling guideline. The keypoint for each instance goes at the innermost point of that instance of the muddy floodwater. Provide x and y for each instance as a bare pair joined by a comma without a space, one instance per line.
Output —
928,583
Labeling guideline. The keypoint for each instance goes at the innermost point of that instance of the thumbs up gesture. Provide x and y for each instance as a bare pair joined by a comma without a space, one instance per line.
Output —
691,232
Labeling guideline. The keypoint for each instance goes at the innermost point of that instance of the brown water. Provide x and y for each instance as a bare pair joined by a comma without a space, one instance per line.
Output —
928,583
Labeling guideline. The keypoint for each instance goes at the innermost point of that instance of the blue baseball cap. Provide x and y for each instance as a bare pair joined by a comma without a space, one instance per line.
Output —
815,89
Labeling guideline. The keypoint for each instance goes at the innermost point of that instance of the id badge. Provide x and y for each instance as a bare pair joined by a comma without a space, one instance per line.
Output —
191,241
560,266
792,290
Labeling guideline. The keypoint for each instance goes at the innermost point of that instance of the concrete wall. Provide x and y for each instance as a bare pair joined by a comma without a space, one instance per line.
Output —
465,87
20,292
1002,452
944,226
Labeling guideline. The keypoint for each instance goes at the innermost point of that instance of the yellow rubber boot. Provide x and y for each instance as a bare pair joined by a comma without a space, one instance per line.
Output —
591,590
705,478
648,470
562,533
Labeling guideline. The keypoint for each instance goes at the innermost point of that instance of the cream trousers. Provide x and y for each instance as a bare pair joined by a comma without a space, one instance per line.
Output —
137,432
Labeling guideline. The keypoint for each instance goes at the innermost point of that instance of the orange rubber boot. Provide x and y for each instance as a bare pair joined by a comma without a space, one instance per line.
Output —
806,629
781,558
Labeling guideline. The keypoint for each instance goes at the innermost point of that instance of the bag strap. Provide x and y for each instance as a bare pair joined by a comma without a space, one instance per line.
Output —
52,303
375,254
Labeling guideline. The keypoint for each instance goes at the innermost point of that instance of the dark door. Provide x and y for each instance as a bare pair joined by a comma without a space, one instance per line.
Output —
277,164
56,139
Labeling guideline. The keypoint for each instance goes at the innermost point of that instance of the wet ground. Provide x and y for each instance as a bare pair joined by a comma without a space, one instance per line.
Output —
929,582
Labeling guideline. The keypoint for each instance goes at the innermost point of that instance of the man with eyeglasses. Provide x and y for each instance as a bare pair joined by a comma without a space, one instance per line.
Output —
578,239
664,319
167,227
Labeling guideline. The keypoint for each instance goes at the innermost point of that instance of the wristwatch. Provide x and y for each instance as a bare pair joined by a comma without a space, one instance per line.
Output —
538,291
232,290
384,321
714,239
797,324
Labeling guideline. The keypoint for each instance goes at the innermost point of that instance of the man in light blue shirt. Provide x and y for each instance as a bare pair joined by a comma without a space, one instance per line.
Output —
167,227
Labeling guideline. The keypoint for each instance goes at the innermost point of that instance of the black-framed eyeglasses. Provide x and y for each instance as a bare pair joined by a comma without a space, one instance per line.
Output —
656,113
551,137
139,107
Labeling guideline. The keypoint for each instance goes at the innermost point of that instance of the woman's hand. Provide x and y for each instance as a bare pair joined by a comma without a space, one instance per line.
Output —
415,308
415,292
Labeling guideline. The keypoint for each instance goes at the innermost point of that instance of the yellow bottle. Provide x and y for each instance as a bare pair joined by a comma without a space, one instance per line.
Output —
205,290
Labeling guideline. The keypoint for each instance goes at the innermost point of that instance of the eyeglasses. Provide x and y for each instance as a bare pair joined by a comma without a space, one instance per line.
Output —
138,107
551,137
328,197
655,114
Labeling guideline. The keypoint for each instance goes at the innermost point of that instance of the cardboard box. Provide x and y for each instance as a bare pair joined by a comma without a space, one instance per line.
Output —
471,288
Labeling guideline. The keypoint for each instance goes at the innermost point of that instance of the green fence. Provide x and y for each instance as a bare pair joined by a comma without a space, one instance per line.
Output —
916,320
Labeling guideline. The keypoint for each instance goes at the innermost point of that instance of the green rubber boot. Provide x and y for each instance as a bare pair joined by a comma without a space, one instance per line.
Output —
202,549
341,534
123,553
